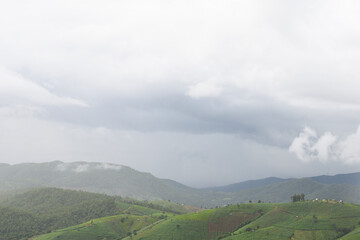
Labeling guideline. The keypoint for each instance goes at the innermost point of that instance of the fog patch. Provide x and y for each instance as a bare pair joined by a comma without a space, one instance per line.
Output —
62,167
204,89
108,166
82,167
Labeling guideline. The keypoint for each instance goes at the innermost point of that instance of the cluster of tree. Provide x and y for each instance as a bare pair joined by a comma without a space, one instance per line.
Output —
17,224
298,197
341,231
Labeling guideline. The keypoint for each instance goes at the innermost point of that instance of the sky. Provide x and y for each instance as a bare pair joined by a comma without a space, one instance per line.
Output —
202,92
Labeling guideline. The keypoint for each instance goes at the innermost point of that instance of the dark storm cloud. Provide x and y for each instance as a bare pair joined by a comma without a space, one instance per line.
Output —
259,118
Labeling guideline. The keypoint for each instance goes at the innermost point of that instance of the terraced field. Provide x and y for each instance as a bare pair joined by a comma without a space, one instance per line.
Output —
301,220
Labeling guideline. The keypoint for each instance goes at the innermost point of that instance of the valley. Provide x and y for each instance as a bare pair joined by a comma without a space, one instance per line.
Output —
82,200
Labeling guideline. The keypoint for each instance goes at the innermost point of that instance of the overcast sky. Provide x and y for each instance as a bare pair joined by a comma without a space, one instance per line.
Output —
202,92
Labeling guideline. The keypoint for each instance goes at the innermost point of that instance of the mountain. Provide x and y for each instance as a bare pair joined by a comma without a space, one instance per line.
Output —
93,177
349,178
236,187
118,180
103,178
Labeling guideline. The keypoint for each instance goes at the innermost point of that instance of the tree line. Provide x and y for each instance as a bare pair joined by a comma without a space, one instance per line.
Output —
298,197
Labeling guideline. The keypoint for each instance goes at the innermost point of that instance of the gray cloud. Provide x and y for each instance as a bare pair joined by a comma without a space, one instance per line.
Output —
124,81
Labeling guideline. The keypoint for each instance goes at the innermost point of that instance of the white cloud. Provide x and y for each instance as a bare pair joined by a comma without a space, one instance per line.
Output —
108,166
323,147
308,147
62,167
81,168
349,148
84,167
123,47
204,89
302,146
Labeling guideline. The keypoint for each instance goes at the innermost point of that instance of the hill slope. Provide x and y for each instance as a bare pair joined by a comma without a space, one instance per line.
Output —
43,210
302,221
114,227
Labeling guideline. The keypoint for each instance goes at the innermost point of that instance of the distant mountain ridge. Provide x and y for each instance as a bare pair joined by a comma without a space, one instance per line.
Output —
113,179
236,187
349,178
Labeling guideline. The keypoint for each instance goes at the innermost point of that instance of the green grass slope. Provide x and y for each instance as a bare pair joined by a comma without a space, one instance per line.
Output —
302,220
209,224
135,218
354,235
137,207
110,228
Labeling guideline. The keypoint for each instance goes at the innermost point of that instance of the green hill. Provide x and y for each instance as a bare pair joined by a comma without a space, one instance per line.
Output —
43,210
114,227
301,220
280,192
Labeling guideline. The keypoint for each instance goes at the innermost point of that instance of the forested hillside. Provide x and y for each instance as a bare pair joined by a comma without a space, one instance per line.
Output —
44,210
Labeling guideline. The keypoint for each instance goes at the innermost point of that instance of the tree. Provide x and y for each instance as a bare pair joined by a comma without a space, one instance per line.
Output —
302,197
298,197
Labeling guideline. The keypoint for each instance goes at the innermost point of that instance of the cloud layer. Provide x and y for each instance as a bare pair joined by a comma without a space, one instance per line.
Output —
15,89
191,85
